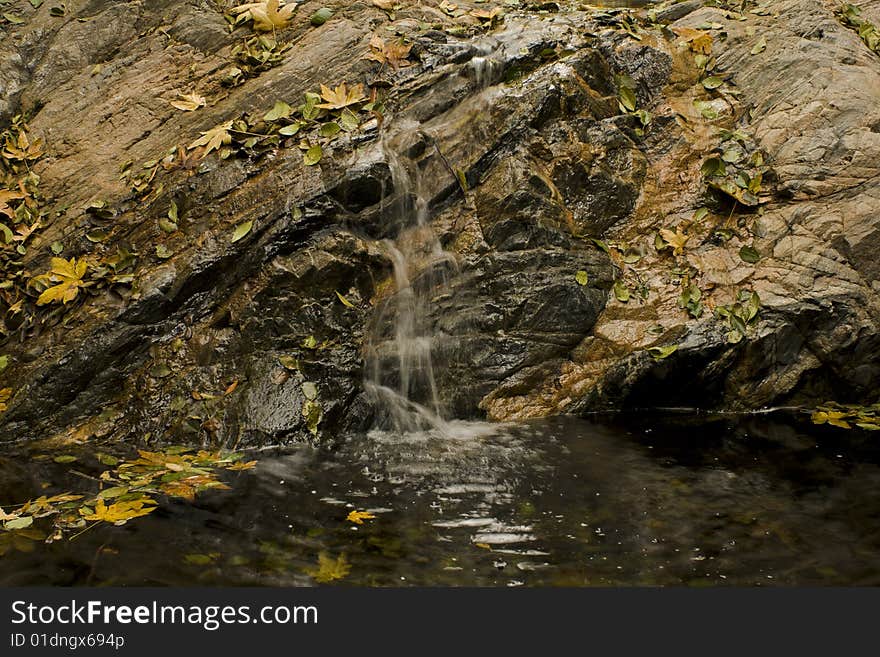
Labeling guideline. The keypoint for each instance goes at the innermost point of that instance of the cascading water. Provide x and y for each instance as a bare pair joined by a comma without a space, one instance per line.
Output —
400,368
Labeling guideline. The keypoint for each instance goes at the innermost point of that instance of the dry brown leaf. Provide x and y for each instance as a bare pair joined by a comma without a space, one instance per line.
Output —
189,102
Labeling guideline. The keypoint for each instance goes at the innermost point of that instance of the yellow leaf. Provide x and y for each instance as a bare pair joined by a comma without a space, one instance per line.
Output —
394,54
250,465
214,138
341,96
268,15
345,302
329,569
676,240
120,512
67,276
358,517
697,40
189,102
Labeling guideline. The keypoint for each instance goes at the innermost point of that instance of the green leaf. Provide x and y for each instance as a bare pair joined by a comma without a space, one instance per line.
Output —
713,166
329,130
241,230
701,213
659,353
19,523
706,109
713,82
163,252
36,3
281,110
601,245
321,16
312,413
759,47
65,458
349,120
749,254
313,155
627,99
288,362
290,130
167,226
4,362
97,235
106,459
56,247
582,277
160,371
621,291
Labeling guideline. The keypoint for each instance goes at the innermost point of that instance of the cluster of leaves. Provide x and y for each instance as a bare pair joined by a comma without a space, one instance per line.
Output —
627,102
740,315
267,16
22,212
625,20
851,17
318,121
737,168
846,416
393,54
253,56
128,490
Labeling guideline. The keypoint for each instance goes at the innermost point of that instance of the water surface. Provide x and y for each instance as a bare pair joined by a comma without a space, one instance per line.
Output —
565,502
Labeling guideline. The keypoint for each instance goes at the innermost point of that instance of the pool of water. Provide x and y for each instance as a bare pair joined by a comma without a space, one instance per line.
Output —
676,500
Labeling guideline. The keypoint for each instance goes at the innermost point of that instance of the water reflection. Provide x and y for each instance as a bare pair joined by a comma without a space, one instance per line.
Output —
562,502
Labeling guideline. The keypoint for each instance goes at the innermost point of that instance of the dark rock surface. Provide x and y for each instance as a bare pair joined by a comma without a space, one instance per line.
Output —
525,158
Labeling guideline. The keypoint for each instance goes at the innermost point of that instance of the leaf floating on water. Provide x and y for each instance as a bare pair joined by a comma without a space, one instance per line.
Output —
242,230
358,517
329,569
120,512
65,458
582,277
19,523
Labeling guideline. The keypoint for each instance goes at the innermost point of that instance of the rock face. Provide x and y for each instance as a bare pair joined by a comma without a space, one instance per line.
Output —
599,262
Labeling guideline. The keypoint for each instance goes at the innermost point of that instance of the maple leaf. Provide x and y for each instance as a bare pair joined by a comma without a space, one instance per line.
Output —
67,276
676,239
341,96
188,102
120,512
698,41
358,517
7,195
268,15
5,396
189,487
21,148
329,569
213,138
394,54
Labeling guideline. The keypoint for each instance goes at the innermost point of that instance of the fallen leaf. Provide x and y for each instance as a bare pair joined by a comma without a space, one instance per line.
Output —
329,569
342,96
358,517
214,138
242,230
67,274
189,102
677,240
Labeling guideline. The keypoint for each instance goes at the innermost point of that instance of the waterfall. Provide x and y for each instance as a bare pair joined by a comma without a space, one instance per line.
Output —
400,373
